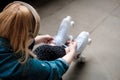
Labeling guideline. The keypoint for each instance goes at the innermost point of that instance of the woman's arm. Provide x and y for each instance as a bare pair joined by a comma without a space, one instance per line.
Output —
36,69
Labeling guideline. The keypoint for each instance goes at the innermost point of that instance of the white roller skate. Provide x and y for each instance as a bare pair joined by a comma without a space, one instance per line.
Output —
82,40
62,36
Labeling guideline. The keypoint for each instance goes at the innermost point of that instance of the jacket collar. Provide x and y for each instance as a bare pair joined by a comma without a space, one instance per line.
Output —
4,42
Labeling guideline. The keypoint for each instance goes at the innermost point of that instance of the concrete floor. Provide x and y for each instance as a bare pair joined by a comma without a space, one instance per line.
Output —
99,17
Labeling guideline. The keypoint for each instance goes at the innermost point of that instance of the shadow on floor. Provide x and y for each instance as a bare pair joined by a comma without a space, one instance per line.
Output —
76,68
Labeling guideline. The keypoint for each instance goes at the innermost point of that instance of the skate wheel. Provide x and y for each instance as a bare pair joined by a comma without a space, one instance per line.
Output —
82,59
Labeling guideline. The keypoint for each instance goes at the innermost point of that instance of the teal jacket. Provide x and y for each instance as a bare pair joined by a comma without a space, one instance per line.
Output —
33,69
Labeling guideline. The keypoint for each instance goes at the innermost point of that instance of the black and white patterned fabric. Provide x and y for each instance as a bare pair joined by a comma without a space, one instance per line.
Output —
48,52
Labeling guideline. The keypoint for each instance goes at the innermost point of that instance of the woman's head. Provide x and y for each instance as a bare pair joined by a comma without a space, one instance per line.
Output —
19,22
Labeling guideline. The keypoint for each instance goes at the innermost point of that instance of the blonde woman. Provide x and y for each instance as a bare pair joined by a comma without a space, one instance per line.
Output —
19,25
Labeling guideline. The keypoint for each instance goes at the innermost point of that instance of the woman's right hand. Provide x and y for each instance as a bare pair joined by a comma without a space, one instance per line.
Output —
72,45
70,52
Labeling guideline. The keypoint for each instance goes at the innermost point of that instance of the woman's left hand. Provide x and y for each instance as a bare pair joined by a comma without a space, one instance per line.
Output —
43,39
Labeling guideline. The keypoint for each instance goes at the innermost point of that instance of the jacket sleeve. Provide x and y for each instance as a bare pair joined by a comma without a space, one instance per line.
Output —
45,70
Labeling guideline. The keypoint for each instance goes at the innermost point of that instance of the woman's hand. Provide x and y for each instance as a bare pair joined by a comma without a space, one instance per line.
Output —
43,39
70,51
71,46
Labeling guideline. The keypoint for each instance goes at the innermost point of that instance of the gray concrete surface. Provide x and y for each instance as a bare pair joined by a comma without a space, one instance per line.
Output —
99,17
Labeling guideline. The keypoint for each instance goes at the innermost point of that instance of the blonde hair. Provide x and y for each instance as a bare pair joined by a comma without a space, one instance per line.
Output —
19,22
